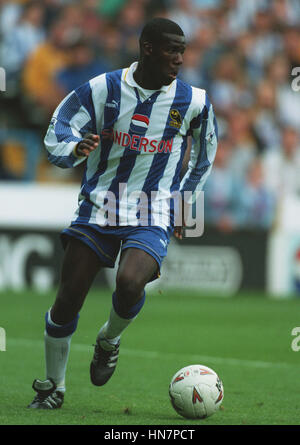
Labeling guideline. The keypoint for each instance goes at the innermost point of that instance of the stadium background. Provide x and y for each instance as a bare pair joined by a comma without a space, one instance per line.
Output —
246,54
242,52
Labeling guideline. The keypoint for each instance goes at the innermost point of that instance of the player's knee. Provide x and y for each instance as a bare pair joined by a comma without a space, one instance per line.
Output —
129,288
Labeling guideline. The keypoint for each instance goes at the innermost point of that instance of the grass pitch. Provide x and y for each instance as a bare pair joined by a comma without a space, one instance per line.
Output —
245,339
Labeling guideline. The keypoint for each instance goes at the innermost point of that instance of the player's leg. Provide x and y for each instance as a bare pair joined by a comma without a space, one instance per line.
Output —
80,266
136,269
143,251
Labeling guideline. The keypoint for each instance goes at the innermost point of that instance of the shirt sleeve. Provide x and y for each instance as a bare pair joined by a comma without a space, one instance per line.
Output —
72,119
204,131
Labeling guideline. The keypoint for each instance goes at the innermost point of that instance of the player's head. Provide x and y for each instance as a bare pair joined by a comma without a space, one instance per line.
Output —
162,44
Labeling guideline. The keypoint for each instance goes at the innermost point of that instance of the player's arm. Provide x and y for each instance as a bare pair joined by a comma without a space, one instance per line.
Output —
205,139
71,135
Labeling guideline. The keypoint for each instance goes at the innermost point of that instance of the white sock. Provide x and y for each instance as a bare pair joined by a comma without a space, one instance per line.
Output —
114,327
56,356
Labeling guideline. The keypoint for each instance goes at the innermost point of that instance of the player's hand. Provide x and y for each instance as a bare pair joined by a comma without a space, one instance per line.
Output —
178,230
87,145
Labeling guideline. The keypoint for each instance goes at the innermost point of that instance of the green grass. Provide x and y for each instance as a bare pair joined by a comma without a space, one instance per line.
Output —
246,339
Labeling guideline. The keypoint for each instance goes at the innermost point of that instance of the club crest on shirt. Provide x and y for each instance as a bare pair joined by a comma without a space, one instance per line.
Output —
176,119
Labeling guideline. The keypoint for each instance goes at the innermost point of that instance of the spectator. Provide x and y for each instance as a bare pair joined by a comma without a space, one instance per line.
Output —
39,83
287,101
265,123
184,13
285,12
110,46
210,49
244,48
227,89
130,22
240,15
266,42
220,190
93,23
256,203
81,68
12,161
191,71
110,8
206,7
244,148
10,14
19,42
291,45
282,165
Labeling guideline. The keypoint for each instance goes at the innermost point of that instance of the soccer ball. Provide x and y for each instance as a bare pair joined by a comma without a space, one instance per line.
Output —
196,392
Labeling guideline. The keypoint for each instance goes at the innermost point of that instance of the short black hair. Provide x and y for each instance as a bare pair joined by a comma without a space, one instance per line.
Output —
154,29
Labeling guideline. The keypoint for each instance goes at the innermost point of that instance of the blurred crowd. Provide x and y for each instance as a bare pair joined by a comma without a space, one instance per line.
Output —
242,52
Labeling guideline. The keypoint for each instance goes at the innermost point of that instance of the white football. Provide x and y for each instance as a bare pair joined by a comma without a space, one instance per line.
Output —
196,392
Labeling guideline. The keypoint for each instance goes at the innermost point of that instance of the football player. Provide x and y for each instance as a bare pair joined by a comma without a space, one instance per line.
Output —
131,127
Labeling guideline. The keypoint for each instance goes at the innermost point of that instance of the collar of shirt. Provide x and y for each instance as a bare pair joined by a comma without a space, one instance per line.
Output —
128,77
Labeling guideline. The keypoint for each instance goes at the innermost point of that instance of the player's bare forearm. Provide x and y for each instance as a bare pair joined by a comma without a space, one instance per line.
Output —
87,145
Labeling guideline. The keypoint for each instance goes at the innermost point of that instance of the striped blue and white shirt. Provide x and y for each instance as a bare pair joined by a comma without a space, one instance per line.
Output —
143,139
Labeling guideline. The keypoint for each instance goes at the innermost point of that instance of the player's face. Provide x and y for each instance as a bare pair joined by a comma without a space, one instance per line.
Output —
168,58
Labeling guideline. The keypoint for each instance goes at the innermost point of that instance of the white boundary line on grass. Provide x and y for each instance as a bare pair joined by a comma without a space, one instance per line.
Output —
195,358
